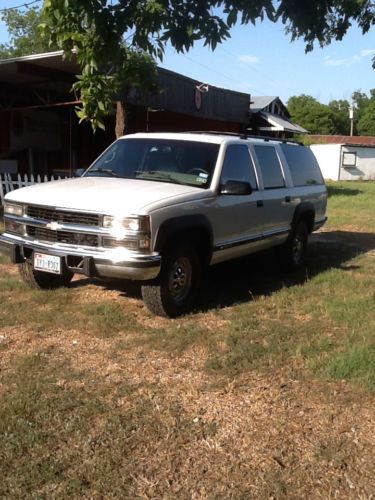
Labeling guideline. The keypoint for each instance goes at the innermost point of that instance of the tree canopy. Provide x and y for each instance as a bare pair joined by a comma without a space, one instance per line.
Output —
365,111
108,36
340,116
315,117
333,118
25,35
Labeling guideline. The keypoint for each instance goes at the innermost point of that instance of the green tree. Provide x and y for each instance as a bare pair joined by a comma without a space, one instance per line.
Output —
315,117
106,35
366,124
24,32
360,100
365,112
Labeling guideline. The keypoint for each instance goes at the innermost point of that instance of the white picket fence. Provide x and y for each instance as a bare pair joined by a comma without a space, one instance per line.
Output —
8,184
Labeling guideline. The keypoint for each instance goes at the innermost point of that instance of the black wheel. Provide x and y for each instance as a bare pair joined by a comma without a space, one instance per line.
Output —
294,250
41,280
175,290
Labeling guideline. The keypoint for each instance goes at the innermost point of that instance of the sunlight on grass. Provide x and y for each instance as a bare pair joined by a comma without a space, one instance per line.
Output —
351,204
357,363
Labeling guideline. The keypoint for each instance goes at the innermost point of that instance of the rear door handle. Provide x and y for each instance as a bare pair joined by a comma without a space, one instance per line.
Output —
288,199
259,203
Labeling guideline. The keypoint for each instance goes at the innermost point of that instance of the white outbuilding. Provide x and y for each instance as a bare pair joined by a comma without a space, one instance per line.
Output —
345,157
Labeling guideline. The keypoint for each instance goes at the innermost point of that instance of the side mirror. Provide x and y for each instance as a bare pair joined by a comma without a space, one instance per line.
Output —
79,172
239,188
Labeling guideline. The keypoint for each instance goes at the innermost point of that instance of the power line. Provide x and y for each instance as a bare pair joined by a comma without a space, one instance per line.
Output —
235,80
20,6
263,75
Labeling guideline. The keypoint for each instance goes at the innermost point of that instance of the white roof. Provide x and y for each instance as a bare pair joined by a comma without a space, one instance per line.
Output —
279,124
211,137
184,136
34,57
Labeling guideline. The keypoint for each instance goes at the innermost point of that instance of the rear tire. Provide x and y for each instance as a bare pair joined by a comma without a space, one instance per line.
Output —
294,250
176,288
40,280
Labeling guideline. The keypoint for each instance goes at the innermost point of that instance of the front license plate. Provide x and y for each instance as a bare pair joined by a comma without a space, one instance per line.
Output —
47,263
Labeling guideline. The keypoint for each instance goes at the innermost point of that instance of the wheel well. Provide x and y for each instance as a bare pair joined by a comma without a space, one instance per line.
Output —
200,239
305,214
197,237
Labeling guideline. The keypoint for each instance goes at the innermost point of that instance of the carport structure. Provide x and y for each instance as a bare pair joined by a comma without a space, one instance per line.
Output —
40,133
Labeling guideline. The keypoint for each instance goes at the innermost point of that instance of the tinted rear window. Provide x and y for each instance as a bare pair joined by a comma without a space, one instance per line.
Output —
303,166
270,167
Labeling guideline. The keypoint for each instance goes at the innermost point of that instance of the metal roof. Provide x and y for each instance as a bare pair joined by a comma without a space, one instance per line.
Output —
279,124
260,102
344,140
30,68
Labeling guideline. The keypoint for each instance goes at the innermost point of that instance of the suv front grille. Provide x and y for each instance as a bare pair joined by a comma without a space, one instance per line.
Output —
52,215
48,235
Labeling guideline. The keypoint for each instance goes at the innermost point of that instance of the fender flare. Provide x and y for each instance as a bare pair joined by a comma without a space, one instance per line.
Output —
304,210
185,226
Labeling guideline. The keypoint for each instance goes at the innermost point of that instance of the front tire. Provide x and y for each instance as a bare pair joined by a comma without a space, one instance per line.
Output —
40,280
176,288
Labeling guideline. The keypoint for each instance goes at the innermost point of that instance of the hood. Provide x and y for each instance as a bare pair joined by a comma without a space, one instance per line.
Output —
105,194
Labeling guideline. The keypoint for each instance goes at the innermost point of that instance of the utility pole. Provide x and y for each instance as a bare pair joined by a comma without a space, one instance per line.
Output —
351,117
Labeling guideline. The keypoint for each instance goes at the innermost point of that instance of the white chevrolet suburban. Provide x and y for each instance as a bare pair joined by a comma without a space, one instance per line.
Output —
160,207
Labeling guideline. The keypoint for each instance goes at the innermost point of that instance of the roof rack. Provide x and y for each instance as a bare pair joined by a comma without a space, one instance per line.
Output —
245,136
267,138
212,132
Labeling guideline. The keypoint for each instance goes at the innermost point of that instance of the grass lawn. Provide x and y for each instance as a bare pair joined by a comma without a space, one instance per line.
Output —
267,390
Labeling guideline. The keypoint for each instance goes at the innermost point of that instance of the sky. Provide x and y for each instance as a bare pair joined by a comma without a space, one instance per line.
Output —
262,60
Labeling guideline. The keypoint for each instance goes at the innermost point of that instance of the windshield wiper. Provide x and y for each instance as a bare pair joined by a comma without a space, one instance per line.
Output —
158,175
108,171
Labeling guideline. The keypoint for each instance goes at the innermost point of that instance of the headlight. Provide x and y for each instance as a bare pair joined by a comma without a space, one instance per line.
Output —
139,224
132,233
13,209
14,227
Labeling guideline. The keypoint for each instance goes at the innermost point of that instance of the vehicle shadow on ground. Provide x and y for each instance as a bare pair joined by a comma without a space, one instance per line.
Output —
263,274
244,279
342,191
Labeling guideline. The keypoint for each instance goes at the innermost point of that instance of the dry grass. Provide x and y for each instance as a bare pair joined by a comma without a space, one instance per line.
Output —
266,391
83,416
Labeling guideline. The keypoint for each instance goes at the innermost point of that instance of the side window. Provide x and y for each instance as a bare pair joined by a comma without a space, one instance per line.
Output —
238,166
270,167
303,166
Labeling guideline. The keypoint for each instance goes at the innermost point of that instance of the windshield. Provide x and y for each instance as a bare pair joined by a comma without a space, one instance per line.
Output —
160,160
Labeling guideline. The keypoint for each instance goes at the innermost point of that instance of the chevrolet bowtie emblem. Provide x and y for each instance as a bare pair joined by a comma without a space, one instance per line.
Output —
54,226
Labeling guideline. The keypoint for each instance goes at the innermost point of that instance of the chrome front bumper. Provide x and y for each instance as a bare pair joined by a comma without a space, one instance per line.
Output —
103,263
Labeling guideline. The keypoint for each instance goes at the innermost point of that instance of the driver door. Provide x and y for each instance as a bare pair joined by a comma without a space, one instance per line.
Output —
238,218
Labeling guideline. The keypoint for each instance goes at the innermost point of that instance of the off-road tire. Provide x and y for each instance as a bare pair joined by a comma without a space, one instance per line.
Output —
174,292
294,250
41,280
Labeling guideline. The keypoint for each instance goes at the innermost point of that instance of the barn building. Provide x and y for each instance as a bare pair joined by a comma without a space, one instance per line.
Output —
269,116
40,133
